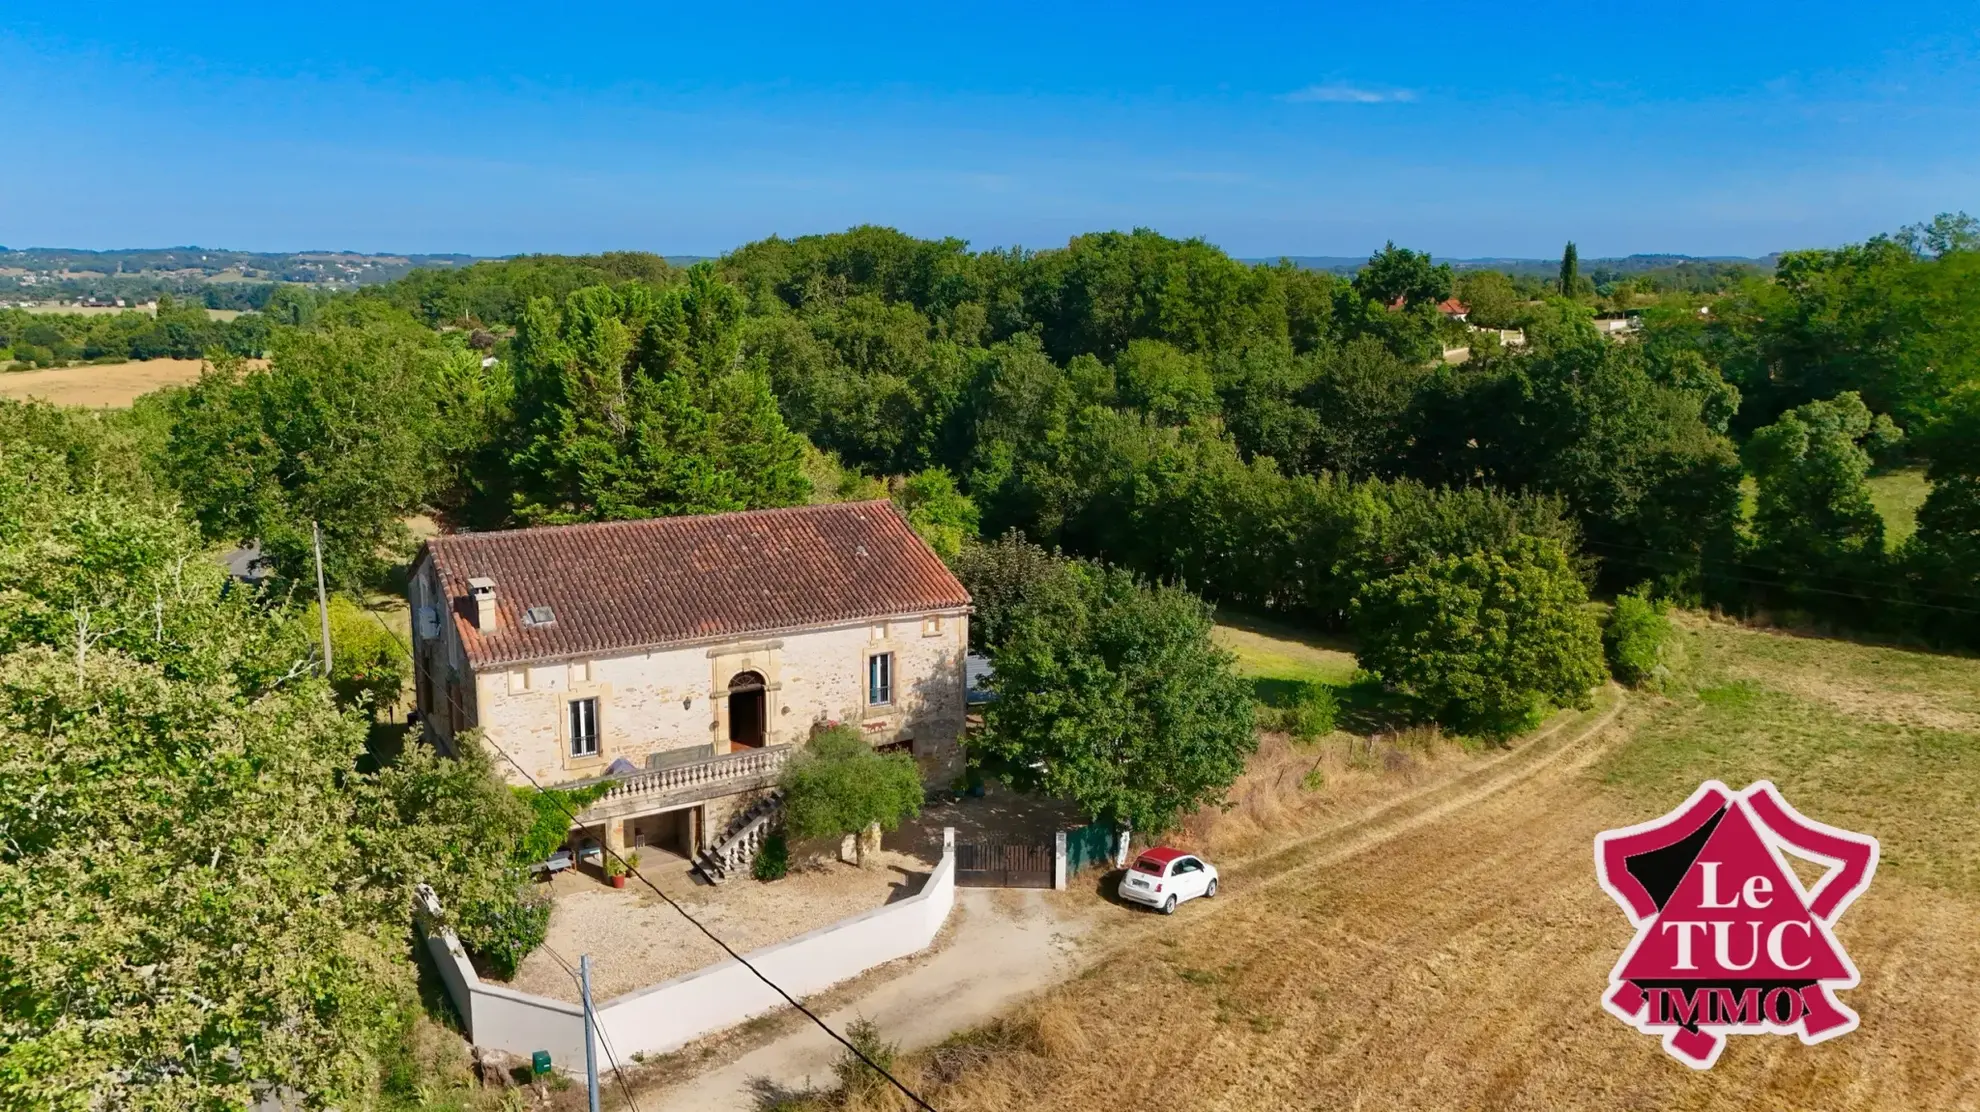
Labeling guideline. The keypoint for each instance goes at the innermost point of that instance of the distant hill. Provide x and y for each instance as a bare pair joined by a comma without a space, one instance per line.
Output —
64,265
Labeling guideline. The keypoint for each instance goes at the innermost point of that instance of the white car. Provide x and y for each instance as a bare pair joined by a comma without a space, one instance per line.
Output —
1164,877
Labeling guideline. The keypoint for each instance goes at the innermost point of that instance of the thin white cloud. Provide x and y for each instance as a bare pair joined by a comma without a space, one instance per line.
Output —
1348,94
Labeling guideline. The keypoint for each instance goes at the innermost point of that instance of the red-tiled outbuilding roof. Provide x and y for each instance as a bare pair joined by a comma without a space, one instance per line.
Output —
624,586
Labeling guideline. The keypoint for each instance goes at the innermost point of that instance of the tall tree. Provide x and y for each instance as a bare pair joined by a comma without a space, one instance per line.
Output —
1570,278
637,403
1814,525
201,896
341,428
1487,641
183,917
1397,274
1944,554
1111,693
1490,297
939,513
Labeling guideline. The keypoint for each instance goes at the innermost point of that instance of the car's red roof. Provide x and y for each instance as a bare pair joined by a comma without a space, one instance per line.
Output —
1163,854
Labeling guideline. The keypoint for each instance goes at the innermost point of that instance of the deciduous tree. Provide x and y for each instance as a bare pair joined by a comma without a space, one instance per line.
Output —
1110,693
1489,641
1814,523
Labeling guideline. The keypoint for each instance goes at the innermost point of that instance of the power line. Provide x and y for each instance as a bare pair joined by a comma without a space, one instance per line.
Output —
1704,559
604,1042
713,937
1641,563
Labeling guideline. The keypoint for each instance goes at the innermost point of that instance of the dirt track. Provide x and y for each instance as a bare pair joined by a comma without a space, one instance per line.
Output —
1449,952
1445,946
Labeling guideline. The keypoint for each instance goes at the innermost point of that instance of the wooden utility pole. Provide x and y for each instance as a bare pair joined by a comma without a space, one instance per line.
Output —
322,596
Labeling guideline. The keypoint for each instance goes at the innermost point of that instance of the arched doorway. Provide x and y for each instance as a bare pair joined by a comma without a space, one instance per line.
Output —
746,725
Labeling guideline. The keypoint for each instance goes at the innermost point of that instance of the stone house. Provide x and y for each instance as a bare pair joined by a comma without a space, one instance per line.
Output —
678,661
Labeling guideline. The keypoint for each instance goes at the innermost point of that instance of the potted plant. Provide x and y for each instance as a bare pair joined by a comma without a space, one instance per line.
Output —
615,871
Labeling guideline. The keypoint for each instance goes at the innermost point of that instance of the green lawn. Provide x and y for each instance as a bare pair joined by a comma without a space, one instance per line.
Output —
1897,496
1283,662
1875,739
1278,657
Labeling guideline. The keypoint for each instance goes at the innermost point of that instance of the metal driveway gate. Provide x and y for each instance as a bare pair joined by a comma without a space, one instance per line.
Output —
988,865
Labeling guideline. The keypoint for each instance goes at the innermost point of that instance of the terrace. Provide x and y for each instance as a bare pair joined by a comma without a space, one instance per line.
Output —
638,792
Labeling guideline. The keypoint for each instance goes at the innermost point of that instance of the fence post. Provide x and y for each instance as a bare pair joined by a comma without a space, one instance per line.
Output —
1059,861
1121,850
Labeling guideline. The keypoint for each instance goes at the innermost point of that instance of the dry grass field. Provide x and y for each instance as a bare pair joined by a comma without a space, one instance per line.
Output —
59,309
99,385
1444,945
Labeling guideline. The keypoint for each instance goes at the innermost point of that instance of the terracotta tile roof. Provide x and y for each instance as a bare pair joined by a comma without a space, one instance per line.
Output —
629,585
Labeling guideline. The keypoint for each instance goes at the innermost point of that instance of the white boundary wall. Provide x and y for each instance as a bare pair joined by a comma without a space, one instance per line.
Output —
666,1016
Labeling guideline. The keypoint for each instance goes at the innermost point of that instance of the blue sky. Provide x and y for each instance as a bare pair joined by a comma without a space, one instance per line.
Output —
1314,130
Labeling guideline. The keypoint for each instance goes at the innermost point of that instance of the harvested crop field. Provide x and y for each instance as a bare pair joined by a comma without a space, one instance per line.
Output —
100,385
1449,949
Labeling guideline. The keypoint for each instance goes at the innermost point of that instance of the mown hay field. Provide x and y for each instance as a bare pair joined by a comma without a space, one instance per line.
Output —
101,385
1451,953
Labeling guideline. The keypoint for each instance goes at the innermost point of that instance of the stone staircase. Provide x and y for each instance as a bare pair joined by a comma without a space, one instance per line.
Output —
735,851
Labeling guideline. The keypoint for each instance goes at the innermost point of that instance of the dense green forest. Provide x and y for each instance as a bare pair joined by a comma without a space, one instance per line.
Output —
1182,427
1266,435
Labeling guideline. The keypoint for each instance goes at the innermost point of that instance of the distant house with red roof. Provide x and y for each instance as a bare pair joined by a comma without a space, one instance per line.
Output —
1454,309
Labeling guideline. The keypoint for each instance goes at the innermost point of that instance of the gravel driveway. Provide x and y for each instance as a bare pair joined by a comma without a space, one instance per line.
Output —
635,940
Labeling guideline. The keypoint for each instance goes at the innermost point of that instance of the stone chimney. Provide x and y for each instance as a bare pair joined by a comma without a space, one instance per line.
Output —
482,590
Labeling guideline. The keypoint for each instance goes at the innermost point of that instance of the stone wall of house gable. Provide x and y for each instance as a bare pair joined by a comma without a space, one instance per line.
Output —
649,702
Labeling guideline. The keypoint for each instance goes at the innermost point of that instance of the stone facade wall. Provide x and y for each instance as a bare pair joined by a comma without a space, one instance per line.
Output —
678,698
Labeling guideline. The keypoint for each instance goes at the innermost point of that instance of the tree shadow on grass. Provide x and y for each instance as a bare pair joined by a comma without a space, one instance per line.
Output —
1284,629
1367,707
1277,691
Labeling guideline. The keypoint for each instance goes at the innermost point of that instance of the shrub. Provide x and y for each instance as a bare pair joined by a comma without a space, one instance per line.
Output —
839,785
369,665
775,859
1636,641
1312,715
503,931
859,1082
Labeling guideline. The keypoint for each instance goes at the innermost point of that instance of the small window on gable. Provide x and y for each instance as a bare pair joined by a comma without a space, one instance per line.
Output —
879,631
931,626
518,681
580,671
